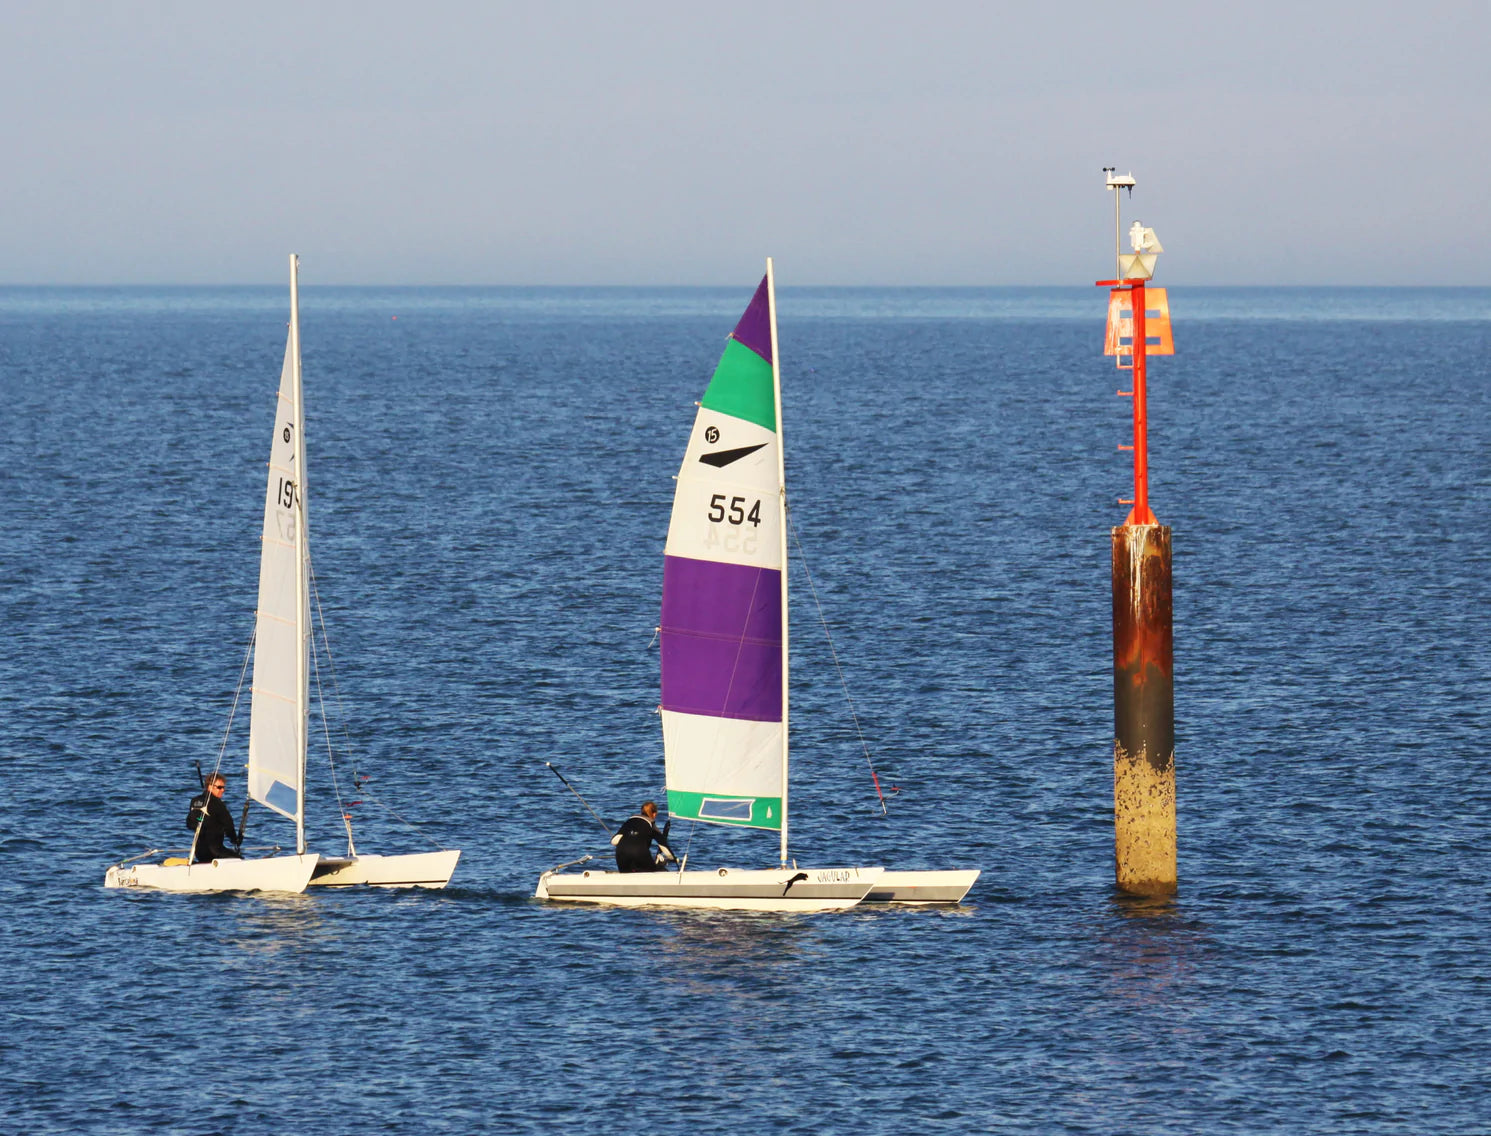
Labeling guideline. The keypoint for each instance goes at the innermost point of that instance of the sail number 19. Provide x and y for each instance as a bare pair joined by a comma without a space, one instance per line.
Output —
735,511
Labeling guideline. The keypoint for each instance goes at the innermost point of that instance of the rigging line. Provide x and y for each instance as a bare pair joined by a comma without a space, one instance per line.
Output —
554,769
336,689
248,654
813,588
336,787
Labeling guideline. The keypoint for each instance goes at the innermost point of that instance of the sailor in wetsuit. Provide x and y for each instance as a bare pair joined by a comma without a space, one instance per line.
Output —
212,820
634,839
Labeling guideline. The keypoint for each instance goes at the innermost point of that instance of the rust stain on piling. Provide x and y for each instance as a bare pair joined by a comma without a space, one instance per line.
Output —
1143,711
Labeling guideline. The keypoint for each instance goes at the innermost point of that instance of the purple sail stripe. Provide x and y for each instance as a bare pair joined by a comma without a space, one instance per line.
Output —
754,328
728,600
721,639
720,679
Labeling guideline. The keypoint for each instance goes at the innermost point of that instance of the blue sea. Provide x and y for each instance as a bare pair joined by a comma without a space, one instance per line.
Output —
490,477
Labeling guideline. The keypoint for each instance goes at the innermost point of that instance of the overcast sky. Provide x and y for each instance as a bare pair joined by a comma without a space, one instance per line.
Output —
1316,141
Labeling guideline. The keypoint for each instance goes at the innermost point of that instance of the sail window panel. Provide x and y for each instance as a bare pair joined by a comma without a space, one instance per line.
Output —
726,810
282,798
712,808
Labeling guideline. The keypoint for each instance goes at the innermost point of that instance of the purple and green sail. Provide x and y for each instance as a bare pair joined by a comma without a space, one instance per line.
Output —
721,628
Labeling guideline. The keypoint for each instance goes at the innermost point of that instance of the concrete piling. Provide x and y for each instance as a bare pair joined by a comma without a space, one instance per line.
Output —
1143,711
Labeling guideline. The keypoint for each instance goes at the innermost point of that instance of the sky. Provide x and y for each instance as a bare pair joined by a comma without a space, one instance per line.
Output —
951,143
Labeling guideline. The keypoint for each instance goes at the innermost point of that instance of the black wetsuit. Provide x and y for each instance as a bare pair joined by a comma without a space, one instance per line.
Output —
217,828
634,845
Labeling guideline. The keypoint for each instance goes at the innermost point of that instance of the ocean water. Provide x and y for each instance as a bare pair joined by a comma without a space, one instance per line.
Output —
490,473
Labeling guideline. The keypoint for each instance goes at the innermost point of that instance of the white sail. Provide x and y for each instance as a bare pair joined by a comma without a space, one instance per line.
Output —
276,767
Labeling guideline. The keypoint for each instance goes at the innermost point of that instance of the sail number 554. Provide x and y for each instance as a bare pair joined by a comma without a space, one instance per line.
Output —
734,511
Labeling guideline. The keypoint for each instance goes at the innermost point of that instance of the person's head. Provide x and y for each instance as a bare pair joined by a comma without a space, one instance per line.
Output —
216,783
649,810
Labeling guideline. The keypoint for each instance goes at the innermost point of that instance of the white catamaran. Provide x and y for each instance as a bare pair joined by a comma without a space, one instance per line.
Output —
280,700
723,637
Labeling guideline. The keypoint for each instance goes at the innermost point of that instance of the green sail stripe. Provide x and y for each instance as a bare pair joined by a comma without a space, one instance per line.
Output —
742,387
726,808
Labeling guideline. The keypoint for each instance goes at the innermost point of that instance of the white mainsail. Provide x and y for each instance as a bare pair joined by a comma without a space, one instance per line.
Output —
276,767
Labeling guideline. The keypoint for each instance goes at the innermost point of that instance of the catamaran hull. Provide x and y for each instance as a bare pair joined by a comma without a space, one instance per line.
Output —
423,869
273,873
922,887
724,889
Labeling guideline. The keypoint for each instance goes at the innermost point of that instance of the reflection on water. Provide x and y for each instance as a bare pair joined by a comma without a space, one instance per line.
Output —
1154,907
1148,949
274,923
736,955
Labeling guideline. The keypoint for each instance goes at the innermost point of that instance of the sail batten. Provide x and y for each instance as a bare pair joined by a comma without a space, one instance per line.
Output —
723,614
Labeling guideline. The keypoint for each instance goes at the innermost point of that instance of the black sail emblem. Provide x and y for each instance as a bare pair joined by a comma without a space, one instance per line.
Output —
721,458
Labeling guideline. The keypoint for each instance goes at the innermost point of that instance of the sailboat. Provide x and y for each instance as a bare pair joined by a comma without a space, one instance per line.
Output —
280,697
723,636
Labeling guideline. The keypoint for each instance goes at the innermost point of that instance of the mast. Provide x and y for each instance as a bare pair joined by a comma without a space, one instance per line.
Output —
776,390
302,555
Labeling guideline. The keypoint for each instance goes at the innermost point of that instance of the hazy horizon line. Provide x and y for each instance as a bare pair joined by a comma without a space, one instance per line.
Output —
679,286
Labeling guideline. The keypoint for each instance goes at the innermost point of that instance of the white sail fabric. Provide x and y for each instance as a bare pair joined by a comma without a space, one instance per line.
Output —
275,767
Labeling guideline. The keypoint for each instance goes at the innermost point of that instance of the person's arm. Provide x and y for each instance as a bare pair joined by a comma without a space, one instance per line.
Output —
661,836
224,817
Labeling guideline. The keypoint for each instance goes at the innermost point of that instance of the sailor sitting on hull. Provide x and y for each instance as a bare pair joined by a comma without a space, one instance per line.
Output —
634,841
212,821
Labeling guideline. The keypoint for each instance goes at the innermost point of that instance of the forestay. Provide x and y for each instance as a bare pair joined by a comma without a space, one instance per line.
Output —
276,766
723,697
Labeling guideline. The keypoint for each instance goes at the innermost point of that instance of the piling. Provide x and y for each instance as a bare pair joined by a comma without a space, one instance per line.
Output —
1143,711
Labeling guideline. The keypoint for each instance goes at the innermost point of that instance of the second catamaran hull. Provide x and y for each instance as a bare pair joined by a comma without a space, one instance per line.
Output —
422,869
273,873
922,887
724,889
